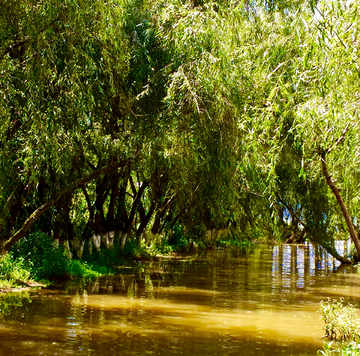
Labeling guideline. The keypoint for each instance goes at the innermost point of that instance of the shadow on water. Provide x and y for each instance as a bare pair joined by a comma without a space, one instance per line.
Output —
227,302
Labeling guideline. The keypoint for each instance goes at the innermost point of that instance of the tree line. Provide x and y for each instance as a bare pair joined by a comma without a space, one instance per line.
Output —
136,118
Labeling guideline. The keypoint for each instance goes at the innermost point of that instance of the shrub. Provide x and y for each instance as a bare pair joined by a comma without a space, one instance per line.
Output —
44,258
340,323
13,271
81,269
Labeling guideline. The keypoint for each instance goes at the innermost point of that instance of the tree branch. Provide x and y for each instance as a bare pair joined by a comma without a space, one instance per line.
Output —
351,228
341,138
7,245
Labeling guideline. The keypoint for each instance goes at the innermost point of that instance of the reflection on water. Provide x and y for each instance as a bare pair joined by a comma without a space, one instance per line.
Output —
228,302
10,302
308,262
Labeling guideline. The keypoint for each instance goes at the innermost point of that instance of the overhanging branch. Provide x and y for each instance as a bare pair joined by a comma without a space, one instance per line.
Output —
7,245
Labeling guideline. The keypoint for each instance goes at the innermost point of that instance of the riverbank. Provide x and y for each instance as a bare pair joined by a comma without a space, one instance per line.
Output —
37,259
29,285
262,300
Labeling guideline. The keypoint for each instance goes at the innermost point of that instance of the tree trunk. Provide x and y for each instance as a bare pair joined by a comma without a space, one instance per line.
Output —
110,217
7,245
160,215
12,208
135,206
336,255
351,228
121,214
6,210
176,218
145,218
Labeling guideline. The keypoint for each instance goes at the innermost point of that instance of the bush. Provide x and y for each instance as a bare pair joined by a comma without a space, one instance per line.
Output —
13,271
43,257
340,323
81,269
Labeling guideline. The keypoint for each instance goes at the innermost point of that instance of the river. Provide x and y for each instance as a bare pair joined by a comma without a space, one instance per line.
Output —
259,301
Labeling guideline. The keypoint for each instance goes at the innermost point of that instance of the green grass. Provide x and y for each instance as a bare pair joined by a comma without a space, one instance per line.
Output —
13,272
37,258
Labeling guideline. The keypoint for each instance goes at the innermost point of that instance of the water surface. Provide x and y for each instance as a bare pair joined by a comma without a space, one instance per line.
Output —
224,302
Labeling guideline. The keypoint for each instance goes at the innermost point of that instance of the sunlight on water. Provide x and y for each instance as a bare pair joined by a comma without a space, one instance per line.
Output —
226,302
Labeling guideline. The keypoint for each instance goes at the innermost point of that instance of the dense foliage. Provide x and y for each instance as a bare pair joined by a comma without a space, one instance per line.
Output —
129,121
340,326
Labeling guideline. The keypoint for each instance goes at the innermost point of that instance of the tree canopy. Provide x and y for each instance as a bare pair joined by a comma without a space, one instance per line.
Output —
136,118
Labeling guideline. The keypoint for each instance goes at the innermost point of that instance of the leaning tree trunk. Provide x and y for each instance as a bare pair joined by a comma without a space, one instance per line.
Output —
351,228
332,251
8,244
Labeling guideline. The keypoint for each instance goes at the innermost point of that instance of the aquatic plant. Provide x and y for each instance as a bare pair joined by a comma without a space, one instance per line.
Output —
341,349
340,323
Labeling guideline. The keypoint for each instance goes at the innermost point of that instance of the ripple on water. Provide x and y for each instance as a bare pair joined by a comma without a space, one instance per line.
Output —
263,302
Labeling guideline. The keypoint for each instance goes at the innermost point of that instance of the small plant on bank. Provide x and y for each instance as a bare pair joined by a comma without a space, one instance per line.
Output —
13,272
44,259
343,349
340,321
353,349
340,325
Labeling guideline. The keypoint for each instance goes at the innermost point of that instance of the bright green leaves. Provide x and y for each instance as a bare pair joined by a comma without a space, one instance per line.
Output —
222,107
68,54
312,94
328,116
62,65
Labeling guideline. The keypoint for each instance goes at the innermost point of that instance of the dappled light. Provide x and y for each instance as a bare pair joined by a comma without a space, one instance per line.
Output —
228,302
183,174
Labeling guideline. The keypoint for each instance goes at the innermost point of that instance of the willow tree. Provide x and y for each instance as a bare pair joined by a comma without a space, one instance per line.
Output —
328,122
135,115
203,137
58,60
306,73
96,91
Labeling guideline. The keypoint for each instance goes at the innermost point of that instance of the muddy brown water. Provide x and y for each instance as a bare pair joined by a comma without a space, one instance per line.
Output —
263,301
